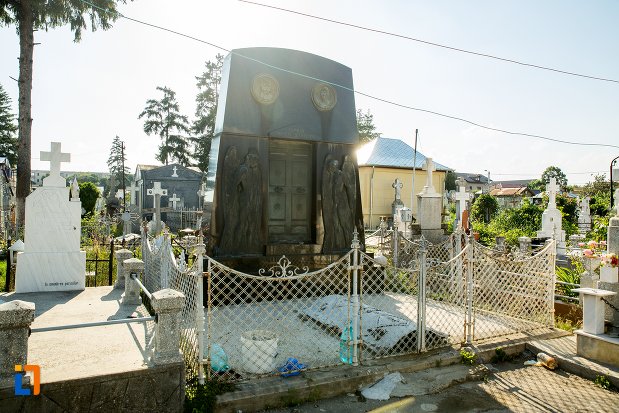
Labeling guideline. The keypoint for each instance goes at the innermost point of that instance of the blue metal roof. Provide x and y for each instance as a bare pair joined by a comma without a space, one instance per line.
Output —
392,153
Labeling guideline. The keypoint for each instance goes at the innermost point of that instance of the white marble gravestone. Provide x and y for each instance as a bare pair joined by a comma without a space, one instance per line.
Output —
552,220
430,206
584,215
52,260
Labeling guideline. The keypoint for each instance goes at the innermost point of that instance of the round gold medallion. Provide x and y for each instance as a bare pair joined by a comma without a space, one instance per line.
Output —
324,97
265,89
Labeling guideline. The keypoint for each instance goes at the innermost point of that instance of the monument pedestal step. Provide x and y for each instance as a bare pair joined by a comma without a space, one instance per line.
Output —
50,271
599,347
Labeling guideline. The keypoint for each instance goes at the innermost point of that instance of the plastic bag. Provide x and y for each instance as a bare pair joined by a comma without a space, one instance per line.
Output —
219,359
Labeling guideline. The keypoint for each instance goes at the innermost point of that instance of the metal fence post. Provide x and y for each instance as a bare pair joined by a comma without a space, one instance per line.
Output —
396,245
110,265
7,284
199,251
421,297
355,297
469,292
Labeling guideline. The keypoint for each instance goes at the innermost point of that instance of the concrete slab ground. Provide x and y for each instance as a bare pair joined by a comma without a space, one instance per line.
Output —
326,383
85,352
507,387
564,350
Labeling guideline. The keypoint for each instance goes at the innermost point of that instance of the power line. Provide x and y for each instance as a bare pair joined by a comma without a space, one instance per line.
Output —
456,49
379,99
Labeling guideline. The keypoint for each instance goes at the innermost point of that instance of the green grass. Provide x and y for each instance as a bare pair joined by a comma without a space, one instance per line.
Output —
567,324
2,275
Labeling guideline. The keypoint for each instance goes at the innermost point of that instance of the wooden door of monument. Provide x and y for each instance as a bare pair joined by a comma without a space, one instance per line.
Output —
290,190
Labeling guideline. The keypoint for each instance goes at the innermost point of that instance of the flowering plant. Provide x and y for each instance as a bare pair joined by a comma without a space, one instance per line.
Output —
611,260
593,249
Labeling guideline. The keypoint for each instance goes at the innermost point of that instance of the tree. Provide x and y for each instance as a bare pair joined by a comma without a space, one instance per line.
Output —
163,117
484,208
88,196
557,173
203,126
116,163
450,181
28,16
365,126
8,141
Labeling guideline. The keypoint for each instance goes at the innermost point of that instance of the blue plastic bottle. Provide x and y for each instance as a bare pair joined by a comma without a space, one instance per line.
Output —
345,350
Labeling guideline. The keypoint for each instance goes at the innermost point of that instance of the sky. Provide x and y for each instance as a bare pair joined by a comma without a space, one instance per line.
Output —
84,94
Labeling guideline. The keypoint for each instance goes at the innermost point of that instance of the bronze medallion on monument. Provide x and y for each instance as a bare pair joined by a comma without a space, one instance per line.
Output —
265,89
324,97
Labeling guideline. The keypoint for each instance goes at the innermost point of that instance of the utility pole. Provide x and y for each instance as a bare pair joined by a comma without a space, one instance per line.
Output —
122,156
414,167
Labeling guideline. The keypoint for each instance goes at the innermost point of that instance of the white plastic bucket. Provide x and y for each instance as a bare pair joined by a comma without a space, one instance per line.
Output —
258,350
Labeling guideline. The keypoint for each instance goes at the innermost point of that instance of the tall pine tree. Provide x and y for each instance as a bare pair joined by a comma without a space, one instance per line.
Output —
115,164
206,110
31,15
163,117
8,140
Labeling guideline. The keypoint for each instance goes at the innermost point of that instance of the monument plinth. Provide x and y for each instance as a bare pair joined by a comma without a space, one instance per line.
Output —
52,260
430,207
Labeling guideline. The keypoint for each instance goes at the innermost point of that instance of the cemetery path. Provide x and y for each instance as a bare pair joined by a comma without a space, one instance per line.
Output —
85,352
510,387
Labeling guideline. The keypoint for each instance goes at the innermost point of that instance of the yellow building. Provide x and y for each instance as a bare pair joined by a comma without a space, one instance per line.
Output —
380,162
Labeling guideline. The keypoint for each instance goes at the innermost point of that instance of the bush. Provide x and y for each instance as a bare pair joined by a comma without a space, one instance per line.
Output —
484,208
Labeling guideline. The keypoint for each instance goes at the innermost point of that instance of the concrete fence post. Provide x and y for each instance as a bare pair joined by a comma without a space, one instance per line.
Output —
121,256
132,288
525,244
15,319
168,305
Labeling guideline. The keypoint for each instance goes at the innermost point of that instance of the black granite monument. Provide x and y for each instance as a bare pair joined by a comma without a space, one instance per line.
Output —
283,176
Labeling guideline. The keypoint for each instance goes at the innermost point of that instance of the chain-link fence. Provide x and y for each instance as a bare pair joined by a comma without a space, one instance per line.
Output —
257,323
163,270
287,319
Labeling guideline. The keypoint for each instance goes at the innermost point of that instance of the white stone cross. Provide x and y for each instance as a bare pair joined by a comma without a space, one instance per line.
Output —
397,185
133,188
428,165
174,199
462,197
55,157
174,174
157,190
552,188
120,194
202,192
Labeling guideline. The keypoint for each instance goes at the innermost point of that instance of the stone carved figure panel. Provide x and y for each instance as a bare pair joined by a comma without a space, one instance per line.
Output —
242,203
338,203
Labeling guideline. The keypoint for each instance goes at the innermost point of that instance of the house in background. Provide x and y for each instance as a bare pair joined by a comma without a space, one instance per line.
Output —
475,183
380,162
511,198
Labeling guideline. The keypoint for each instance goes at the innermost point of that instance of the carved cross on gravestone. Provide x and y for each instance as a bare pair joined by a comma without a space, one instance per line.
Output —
551,189
461,198
429,167
157,191
397,185
174,174
55,157
174,199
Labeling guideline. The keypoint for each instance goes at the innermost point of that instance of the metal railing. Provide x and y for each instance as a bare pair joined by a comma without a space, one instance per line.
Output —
94,324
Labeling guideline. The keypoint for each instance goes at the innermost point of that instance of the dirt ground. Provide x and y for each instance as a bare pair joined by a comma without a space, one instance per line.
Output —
505,387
